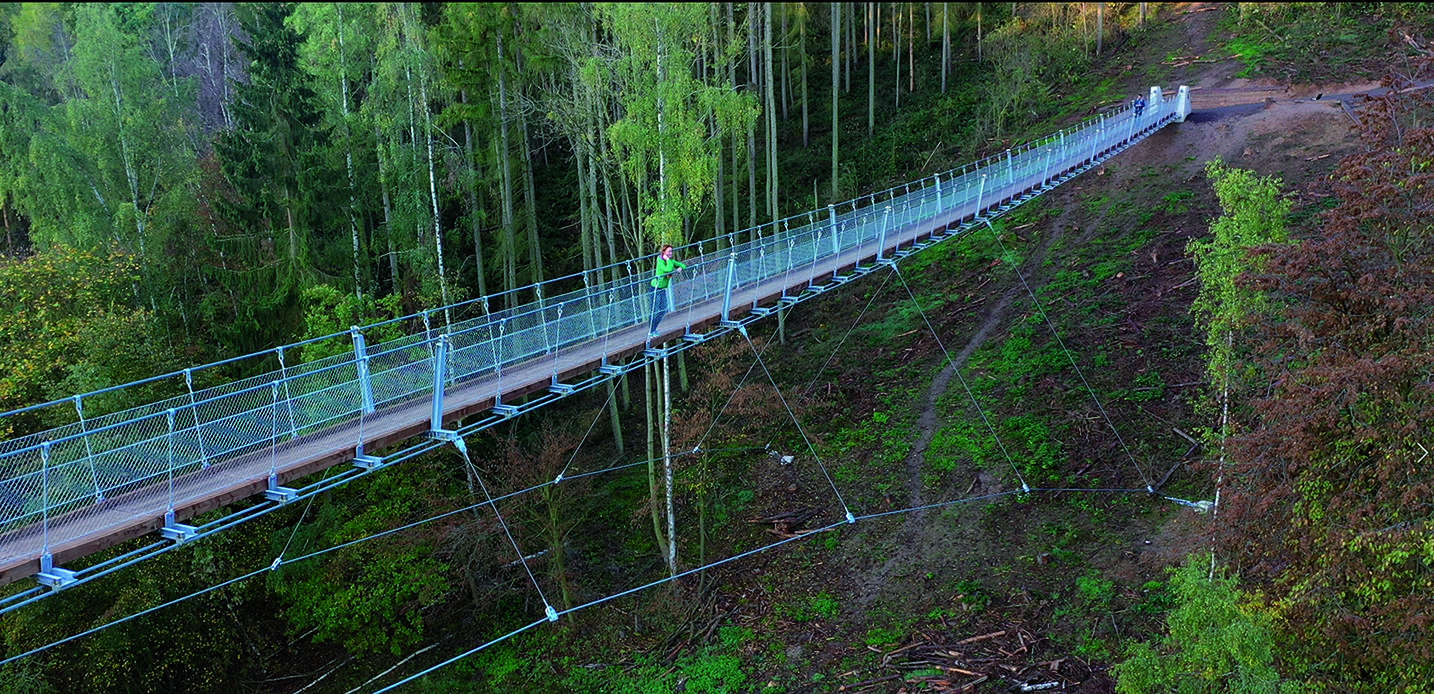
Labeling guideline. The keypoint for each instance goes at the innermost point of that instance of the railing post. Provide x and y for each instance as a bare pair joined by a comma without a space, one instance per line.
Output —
940,204
288,398
836,241
169,464
440,375
194,413
980,192
498,362
45,497
731,278
881,237
558,342
361,360
89,452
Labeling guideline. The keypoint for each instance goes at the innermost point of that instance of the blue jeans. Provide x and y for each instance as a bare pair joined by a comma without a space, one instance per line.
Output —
659,308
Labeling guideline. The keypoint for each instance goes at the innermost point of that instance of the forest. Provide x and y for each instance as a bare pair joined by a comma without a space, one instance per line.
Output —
189,183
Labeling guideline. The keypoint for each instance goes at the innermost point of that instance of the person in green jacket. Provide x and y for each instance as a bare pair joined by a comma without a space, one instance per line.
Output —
660,282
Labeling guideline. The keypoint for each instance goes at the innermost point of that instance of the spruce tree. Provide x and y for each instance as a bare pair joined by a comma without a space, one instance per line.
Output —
270,237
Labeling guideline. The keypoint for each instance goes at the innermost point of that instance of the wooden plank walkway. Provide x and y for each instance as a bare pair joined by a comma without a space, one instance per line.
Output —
108,523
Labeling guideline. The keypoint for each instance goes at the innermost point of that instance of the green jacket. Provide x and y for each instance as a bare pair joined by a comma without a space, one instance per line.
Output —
665,268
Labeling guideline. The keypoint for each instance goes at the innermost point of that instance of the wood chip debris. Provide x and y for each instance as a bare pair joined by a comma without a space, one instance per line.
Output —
1009,659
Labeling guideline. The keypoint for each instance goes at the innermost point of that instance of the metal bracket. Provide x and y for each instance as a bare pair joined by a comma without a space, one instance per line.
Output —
364,461
611,369
506,411
279,493
178,532
562,389
53,576
444,435
694,338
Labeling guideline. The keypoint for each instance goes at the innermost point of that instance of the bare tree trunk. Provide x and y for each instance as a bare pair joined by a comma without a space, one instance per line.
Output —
945,43
911,42
871,35
786,69
473,222
360,267
752,21
896,49
667,462
649,380
806,112
1099,27
771,120
387,213
530,203
510,261
433,188
836,75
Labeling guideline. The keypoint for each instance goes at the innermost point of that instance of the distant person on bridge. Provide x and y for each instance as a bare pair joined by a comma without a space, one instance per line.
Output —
666,265
1139,105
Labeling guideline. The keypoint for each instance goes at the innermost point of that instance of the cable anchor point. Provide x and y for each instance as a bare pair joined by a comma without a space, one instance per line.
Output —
552,613
850,518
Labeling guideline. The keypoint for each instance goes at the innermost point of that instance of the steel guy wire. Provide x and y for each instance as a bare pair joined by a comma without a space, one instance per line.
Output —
849,331
800,430
465,509
584,440
1006,254
956,369
280,562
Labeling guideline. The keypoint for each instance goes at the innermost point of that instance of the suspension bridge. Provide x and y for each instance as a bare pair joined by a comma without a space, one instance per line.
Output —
94,482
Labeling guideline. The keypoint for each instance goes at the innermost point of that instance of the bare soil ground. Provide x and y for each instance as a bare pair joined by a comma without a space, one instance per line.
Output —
990,593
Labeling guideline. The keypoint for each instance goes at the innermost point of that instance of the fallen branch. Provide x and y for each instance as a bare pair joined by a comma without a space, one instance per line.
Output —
983,637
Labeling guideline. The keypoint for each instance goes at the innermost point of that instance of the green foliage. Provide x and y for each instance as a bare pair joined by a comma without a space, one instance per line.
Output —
327,311
1253,215
1219,641
71,327
661,139
370,597
819,606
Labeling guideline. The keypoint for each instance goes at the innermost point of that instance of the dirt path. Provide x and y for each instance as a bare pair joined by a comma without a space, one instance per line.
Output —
1271,128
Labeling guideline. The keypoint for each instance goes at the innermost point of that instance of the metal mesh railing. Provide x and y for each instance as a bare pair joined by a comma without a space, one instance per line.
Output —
77,469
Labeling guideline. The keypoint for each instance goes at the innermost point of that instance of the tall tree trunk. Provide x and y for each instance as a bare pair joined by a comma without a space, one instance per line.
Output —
896,49
360,267
752,74
806,112
1099,27
474,225
649,381
945,43
850,30
870,69
911,43
715,130
433,197
667,463
771,120
510,231
978,32
530,202
736,144
786,69
836,75
387,213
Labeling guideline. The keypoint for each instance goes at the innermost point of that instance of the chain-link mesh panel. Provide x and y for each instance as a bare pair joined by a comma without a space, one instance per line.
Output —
79,463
